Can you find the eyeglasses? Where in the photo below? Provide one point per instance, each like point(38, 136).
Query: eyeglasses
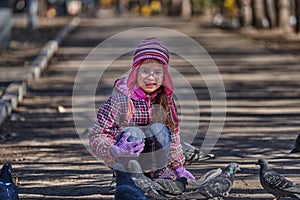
point(146, 73)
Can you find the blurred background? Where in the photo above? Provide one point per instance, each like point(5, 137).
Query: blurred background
point(228, 13)
point(26, 25)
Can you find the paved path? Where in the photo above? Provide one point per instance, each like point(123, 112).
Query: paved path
point(262, 115)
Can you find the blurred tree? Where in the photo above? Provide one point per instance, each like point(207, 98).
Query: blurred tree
point(297, 12)
point(271, 13)
point(32, 14)
point(284, 15)
point(259, 15)
point(166, 7)
point(5, 26)
point(246, 13)
point(186, 9)
point(204, 7)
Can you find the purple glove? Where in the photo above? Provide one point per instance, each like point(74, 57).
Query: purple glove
point(182, 172)
point(123, 148)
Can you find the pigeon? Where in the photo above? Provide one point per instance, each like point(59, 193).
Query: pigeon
point(216, 185)
point(126, 188)
point(150, 188)
point(296, 148)
point(275, 183)
point(158, 187)
point(8, 190)
point(193, 154)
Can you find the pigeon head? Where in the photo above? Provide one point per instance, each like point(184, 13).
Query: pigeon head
point(119, 168)
point(263, 163)
point(134, 167)
point(232, 168)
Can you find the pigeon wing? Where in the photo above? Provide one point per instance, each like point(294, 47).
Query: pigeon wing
point(173, 187)
point(217, 187)
point(276, 181)
point(279, 186)
point(209, 175)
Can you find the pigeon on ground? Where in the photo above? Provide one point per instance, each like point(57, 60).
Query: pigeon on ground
point(275, 183)
point(158, 187)
point(150, 188)
point(193, 154)
point(126, 188)
point(216, 187)
point(8, 190)
point(296, 148)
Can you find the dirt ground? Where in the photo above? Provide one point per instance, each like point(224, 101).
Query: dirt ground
point(25, 45)
point(262, 115)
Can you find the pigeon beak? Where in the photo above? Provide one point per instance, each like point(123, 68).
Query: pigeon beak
point(238, 168)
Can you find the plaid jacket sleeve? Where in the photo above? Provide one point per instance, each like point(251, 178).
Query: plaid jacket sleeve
point(176, 158)
point(105, 129)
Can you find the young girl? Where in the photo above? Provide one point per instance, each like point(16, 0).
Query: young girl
point(139, 120)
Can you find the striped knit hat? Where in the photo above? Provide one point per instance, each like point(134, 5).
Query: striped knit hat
point(151, 48)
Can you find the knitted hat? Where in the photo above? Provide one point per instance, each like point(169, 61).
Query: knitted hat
point(151, 48)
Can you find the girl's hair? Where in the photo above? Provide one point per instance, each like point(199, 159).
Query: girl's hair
point(161, 112)
point(161, 102)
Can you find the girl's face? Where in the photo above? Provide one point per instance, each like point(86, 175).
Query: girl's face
point(150, 75)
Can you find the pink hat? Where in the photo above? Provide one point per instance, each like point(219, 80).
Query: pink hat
point(151, 48)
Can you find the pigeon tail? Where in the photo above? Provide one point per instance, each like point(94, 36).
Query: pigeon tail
point(295, 150)
point(193, 154)
point(297, 196)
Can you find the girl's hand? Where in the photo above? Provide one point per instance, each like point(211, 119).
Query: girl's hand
point(123, 148)
point(182, 172)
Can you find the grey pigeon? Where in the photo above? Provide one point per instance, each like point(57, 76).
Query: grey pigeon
point(193, 154)
point(157, 188)
point(126, 188)
point(216, 187)
point(8, 190)
point(275, 183)
point(150, 188)
point(296, 148)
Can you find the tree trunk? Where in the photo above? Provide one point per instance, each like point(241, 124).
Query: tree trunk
point(246, 13)
point(284, 14)
point(33, 7)
point(186, 9)
point(5, 26)
point(297, 12)
point(258, 13)
point(271, 12)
